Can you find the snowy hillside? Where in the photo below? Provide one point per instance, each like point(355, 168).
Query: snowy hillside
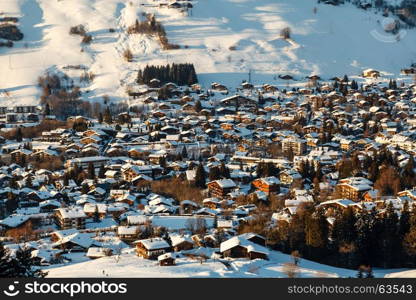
point(128, 263)
point(225, 39)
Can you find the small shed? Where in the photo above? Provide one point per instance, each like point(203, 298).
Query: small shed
point(166, 259)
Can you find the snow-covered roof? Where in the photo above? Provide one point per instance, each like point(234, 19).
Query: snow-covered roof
point(243, 242)
point(71, 212)
point(154, 243)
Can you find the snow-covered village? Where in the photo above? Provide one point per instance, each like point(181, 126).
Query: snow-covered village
point(208, 139)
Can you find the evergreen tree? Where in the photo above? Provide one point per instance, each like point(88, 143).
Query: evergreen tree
point(91, 171)
point(100, 117)
point(316, 233)
point(66, 179)
point(24, 264)
point(101, 172)
point(5, 262)
point(404, 222)
point(96, 216)
point(389, 243)
point(184, 153)
point(224, 171)
point(214, 173)
point(344, 227)
point(19, 135)
point(162, 161)
point(47, 109)
point(369, 273)
point(200, 177)
point(107, 117)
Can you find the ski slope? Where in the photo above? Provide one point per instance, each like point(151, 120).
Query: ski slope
point(330, 41)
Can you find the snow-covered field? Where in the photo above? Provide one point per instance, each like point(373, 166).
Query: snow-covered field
point(129, 265)
point(331, 41)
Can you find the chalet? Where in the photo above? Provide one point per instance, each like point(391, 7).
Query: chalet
point(44, 154)
point(16, 224)
point(240, 247)
point(129, 171)
point(114, 174)
point(220, 188)
point(212, 202)
point(49, 205)
point(219, 87)
point(98, 252)
point(166, 259)
point(267, 185)
point(371, 73)
point(45, 257)
point(290, 177)
point(70, 217)
point(353, 188)
point(188, 206)
point(295, 145)
point(93, 139)
point(180, 243)
point(346, 144)
point(333, 206)
point(83, 162)
point(77, 242)
point(92, 209)
point(21, 154)
point(128, 233)
point(152, 248)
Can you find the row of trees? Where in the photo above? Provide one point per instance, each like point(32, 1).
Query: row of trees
point(384, 169)
point(180, 74)
point(354, 239)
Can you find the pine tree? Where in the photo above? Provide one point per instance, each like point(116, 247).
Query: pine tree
point(224, 171)
point(91, 171)
point(389, 242)
point(5, 262)
point(369, 273)
point(107, 116)
point(96, 216)
point(162, 161)
point(24, 264)
point(66, 179)
point(184, 153)
point(19, 135)
point(404, 222)
point(344, 227)
point(200, 177)
point(100, 117)
point(47, 109)
point(101, 172)
point(214, 173)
